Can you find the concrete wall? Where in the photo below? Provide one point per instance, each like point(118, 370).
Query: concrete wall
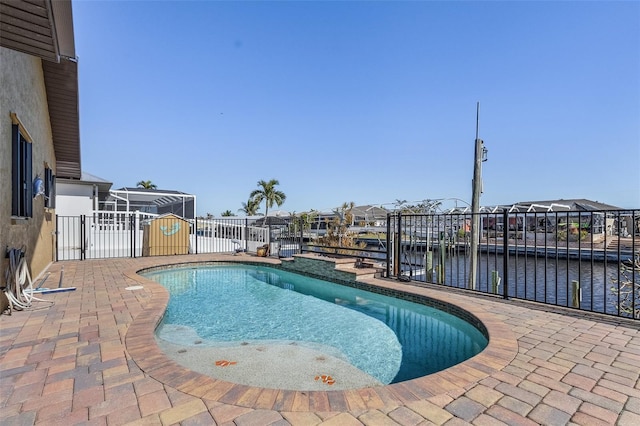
point(23, 93)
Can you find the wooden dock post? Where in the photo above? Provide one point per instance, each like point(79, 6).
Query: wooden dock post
point(576, 296)
point(495, 282)
point(428, 260)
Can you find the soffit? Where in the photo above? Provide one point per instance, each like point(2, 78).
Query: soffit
point(61, 82)
point(41, 28)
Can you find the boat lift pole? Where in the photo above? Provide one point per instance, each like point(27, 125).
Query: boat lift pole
point(479, 158)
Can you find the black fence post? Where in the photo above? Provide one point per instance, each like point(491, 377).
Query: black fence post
point(57, 234)
point(505, 253)
point(195, 232)
point(388, 255)
point(397, 266)
point(635, 262)
point(132, 235)
point(301, 224)
point(82, 232)
point(246, 235)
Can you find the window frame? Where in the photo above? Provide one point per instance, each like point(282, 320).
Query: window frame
point(21, 171)
point(49, 188)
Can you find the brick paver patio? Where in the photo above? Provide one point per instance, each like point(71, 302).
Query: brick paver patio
point(91, 359)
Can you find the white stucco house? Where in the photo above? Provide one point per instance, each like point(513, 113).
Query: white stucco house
point(76, 197)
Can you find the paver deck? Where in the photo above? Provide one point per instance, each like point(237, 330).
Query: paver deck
point(91, 359)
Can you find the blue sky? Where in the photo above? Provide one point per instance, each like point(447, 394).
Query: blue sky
point(368, 102)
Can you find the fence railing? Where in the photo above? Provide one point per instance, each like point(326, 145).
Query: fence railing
point(101, 235)
point(583, 260)
point(116, 234)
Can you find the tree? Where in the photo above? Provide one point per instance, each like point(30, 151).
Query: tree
point(269, 194)
point(627, 289)
point(302, 222)
point(338, 233)
point(251, 207)
point(146, 184)
point(308, 219)
point(227, 213)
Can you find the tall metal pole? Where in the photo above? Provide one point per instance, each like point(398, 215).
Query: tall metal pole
point(475, 203)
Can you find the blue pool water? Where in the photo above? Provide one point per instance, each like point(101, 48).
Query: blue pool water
point(392, 340)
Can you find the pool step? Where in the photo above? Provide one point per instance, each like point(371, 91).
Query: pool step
point(360, 269)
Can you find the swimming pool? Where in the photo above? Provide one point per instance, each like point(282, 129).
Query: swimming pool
point(392, 340)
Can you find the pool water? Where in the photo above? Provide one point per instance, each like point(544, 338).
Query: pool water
point(390, 339)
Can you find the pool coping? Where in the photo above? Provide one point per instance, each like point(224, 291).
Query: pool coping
point(141, 345)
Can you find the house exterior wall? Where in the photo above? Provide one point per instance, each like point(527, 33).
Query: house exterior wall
point(69, 205)
point(23, 93)
point(74, 199)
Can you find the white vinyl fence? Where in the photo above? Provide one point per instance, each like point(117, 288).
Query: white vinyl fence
point(107, 234)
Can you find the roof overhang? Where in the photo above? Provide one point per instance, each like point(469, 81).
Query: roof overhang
point(89, 180)
point(44, 28)
point(61, 81)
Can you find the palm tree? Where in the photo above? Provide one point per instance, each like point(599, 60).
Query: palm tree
point(344, 213)
point(251, 207)
point(308, 219)
point(146, 184)
point(338, 233)
point(227, 213)
point(269, 194)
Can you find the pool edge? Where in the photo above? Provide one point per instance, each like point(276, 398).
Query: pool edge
point(142, 348)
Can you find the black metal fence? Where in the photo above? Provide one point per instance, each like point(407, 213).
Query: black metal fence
point(583, 260)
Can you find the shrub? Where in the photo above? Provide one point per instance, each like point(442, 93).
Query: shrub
point(628, 291)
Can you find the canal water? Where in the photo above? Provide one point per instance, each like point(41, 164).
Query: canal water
point(587, 284)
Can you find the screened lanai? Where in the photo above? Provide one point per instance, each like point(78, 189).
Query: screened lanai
point(155, 201)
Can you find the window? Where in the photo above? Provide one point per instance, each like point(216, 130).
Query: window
point(21, 177)
point(49, 188)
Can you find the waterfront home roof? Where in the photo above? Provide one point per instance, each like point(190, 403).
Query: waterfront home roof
point(88, 179)
point(44, 29)
point(271, 221)
point(370, 212)
point(564, 205)
point(561, 205)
